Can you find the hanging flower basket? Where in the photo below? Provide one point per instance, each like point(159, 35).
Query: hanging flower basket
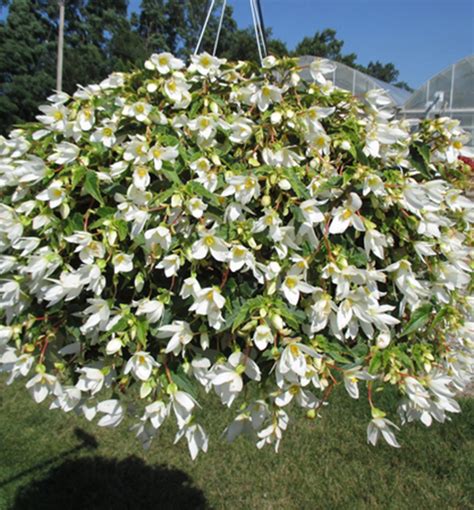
point(224, 225)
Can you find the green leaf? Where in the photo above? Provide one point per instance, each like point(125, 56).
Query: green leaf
point(142, 330)
point(91, 186)
point(418, 319)
point(184, 383)
point(298, 187)
point(250, 306)
point(77, 176)
point(172, 176)
point(196, 188)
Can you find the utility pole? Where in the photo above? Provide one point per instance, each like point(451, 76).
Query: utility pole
point(59, 73)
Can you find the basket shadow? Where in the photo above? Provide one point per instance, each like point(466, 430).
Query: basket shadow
point(99, 483)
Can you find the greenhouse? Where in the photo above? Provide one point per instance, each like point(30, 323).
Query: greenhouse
point(357, 82)
point(449, 93)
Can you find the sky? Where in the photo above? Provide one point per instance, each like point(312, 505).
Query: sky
point(421, 37)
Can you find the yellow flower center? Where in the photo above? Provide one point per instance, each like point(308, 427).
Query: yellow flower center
point(291, 282)
point(294, 350)
point(206, 61)
point(294, 389)
point(58, 116)
point(347, 214)
point(139, 108)
point(157, 153)
point(209, 240)
point(108, 132)
point(57, 192)
point(266, 92)
point(457, 144)
point(172, 86)
point(163, 60)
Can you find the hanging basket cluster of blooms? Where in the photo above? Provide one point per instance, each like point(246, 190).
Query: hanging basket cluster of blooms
point(175, 230)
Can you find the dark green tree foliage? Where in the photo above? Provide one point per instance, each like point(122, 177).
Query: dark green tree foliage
point(325, 44)
point(27, 61)
point(98, 39)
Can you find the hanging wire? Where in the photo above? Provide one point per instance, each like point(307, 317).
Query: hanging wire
point(257, 19)
point(262, 25)
point(261, 31)
point(219, 28)
point(203, 31)
point(257, 34)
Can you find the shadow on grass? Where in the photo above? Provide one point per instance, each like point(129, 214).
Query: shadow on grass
point(98, 483)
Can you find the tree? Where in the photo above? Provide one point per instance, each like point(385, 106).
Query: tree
point(325, 44)
point(27, 62)
point(98, 40)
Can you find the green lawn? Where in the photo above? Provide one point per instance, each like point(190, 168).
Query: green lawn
point(50, 460)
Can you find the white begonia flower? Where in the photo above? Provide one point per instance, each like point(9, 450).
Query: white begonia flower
point(374, 184)
point(170, 264)
point(158, 236)
point(157, 412)
point(176, 88)
point(205, 126)
point(42, 385)
point(200, 165)
point(182, 404)
point(196, 207)
point(190, 287)
point(164, 63)
point(159, 154)
point(54, 194)
point(209, 242)
point(139, 110)
point(67, 399)
point(347, 215)
point(195, 436)
point(209, 301)
point(274, 432)
point(266, 96)
point(227, 379)
point(113, 346)
point(205, 64)
point(137, 150)
point(293, 285)
point(293, 359)
point(262, 337)
point(281, 158)
point(141, 177)
point(122, 263)
point(180, 333)
point(382, 426)
point(99, 316)
point(141, 365)
point(241, 130)
point(383, 339)
point(54, 116)
point(152, 309)
point(85, 119)
point(319, 68)
point(375, 242)
point(311, 212)
point(244, 187)
point(105, 134)
point(113, 413)
point(88, 248)
point(303, 397)
point(64, 154)
point(240, 256)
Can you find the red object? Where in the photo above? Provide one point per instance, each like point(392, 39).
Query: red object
point(468, 161)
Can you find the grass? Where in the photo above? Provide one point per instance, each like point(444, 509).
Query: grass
point(50, 460)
